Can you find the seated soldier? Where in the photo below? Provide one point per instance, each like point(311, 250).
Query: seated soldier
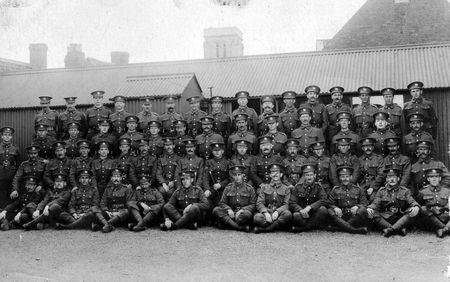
point(343, 157)
point(381, 133)
point(393, 206)
point(242, 157)
point(83, 201)
point(347, 204)
point(322, 163)
point(273, 203)
point(236, 207)
point(435, 206)
point(185, 206)
point(146, 208)
point(307, 203)
point(293, 162)
point(21, 210)
point(54, 203)
point(370, 165)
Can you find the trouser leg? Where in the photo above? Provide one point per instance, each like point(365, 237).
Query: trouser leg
point(223, 217)
point(188, 220)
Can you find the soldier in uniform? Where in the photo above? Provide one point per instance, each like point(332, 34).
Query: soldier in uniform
point(434, 199)
point(125, 162)
point(331, 111)
point(289, 116)
point(308, 202)
point(252, 116)
point(83, 201)
point(60, 164)
point(194, 116)
point(263, 160)
point(132, 133)
point(146, 207)
point(165, 169)
point(144, 164)
point(71, 115)
point(104, 135)
point(47, 117)
point(425, 162)
point(206, 138)
point(34, 167)
point(343, 157)
point(293, 162)
point(102, 166)
point(9, 162)
point(322, 163)
point(268, 104)
point(381, 133)
point(155, 141)
point(180, 127)
point(344, 120)
point(422, 105)
point(242, 132)
point(393, 207)
point(238, 202)
point(190, 162)
point(72, 140)
point(306, 133)
point(319, 117)
point(222, 121)
point(114, 202)
point(279, 137)
point(167, 119)
point(96, 113)
point(272, 204)
point(417, 134)
point(81, 163)
point(54, 203)
point(20, 211)
point(146, 115)
point(395, 119)
point(347, 203)
point(363, 114)
point(243, 158)
point(370, 164)
point(118, 117)
point(44, 142)
point(185, 206)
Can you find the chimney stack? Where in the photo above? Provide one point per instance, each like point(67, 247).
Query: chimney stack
point(222, 42)
point(321, 44)
point(75, 57)
point(119, 58)
point(38, 56)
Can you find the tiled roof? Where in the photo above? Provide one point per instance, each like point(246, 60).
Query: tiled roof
point(264, 74)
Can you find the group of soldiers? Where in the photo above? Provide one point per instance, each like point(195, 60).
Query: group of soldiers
point(321, 166)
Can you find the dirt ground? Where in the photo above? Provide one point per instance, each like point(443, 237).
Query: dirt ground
point(211, 254)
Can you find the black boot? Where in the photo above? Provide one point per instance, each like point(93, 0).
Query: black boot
point(5, 225)
point(110, 224)
point(230, 224)
point(137, 217)
point(142, 225)
point(32, 224)
point(274, 226)
point(77, 224)
point(345, 226)
point(385, 226)
point(400, 226)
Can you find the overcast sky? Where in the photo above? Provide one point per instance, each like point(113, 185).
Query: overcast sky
point(160, 30)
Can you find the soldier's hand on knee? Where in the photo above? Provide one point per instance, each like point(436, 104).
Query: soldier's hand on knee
point(217, 186)
point(35, 214)
point(305, 212)
point(268, 217)
point(76, 216)
point(275, 215)
point(171, 184)
point(75, 188)
point(2, 215)
point(13, 195)
point(168, 223)
point(238, 213)
point(207, 193)
point(110, 214)
point(231, 213)
point(338, 211)
point(45, 211)
point(369, 191)
point(354, 209)
point(165, 186)
point(17, 217)
point(413, 211)
point(186, 209)
point(370, 212)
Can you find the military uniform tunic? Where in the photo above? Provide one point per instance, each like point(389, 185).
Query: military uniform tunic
point(156, 145)
point(293, 166)
point(151, 197)
point(354, 143)
point(192, 163)
point(252, 118)
point(238, 196)
point(83, 199)
point(425, 107)
point(338, 160)
point(262, 163)
point(331, 111)
point(323, 170)
point(135, 137)
point(26, 203)
point(125, 163)
point(396, 120)
point(410, 140)
point(435, 201)
point(9, 162)
point(145, 165)
point(165, 168)
point(28, 168)
point(79, 164)
point(116, 197)
point(118, 122)
point(72, 150)
point(307, 134)
point(392, 202)
point(346, 197)
point(102, 169)
point(204, 141)
point(248, 161)
point(180, 147)
point(93, 116)
point(363, 119)
point(193, 123)
point(144, 119)
point(279, 139)
point(70, 116)
point(303, 195)
point(319, 117)
point(380, 137)
point(289, 120)
point(45, 144)
point(246, 135)
point(221, 124)
point(216, 172)
point(54, 167)
point(167, 119)
point(418, 174)
point(48, 118)
point(369, 167)
point(273, 197)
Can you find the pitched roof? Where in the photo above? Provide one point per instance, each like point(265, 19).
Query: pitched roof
point(264, 74)
point(387, 23)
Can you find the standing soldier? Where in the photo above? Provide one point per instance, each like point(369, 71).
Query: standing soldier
point(59, 165)
point(306, 133)
point(415, 121)
point(319, 117)
point(190, 162)
point(9, 162)
point(118, 117)
point(104, 135)
point(369, 166)
point(155, 141)
point(243, 158)
point(393, 207)
point(168, 118)
point(83, 162)
point(71, 115)
point(193, 116)
point(344, 121)
point(96, 113)
point(422, 105)
point(363, 114)
point(102, 166)
point(242, 100)
point(47, 117)
point(263, 160)
point(32, 167)
point(279, 137)
point(238, 202)
point(206, 138)
point(307, 202)
point(273, 203)
point(165, 169)
point(132, 133)
point(289, 116)
point(44, 142)
point(72, 140)
point(146, 115)
point(242, 133)
point(395, 119)
point(381, 133)
point(267, 103)
point(184, 208)
point(144, 164)
point(125, 162)
point(180, 127)
point(347, 203)
point(343, 157)
point(322, 163)
point(333, 109)
point(222, 121)
point(293, 162)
